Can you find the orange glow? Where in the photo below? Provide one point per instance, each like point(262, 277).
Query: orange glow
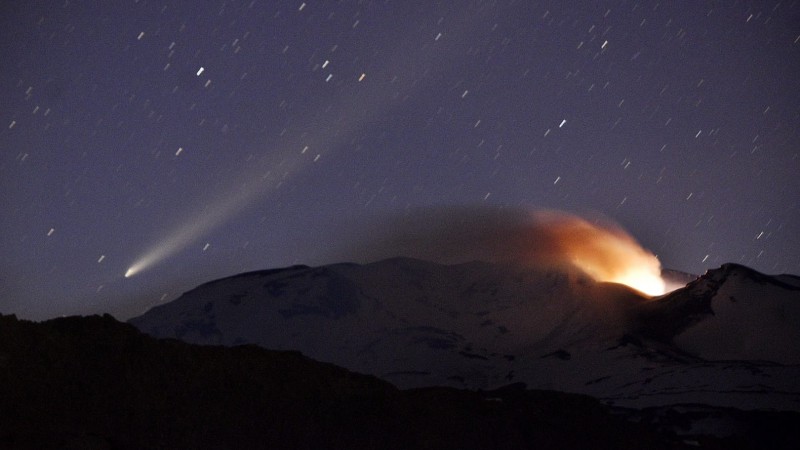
point(604, 253)
point(544, 239)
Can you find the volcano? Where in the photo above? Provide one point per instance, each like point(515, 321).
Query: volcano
point(727, 339)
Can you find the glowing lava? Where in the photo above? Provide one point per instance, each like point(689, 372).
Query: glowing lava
point(604, 253)
point(547, 239)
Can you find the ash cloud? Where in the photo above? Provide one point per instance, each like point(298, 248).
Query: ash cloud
point(542, 238)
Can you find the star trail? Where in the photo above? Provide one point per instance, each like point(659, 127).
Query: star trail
point(149, 146)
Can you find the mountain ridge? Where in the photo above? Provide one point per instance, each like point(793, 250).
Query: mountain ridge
point(481, 325)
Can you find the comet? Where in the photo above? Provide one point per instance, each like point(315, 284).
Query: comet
point(207, 219)
point(329, 126)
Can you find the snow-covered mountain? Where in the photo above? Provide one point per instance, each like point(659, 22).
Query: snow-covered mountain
point(729, 338)
point(752, 316)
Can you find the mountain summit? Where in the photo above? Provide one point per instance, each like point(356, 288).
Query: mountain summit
point(741, 314)
point(482, 326)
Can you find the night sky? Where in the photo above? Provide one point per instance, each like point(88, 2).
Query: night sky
point(214, 137)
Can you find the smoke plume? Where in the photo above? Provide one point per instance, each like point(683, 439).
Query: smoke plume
point(543, 239)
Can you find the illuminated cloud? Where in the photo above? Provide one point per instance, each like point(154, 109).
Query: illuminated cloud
point(603, 252)
point(543, 239)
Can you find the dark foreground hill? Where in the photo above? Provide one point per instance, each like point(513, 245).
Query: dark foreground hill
point(94, 382)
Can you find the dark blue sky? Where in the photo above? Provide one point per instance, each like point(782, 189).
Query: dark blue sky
point(213, 137)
